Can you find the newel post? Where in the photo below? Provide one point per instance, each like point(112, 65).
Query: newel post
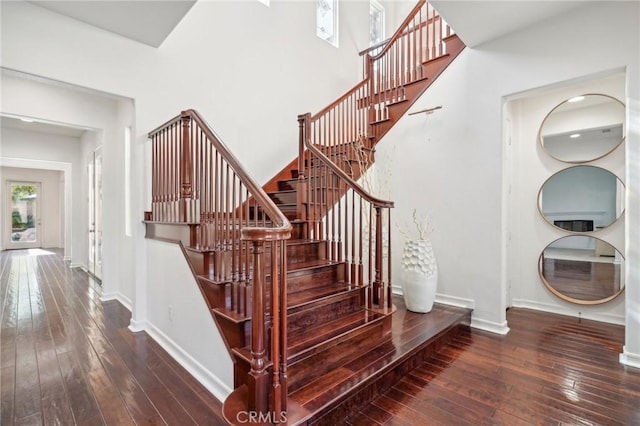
point(258, 379)
point(186, 189)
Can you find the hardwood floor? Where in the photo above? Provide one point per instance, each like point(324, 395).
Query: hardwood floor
point(549, 369)
point(67, 358)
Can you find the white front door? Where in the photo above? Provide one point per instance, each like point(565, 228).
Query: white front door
point(23, 215)
point(94, 170)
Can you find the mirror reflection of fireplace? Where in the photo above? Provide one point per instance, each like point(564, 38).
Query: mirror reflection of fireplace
point(575, 225)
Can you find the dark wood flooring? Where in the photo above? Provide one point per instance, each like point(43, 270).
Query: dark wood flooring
point(550, 369)
point(67, 358)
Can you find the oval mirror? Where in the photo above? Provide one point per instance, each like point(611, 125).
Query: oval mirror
point(581, 199)
point(583, 128)
point(582, 269)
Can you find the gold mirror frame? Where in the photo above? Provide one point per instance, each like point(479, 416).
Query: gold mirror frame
point(563, 296)
point(564, 104)
point(595, 228)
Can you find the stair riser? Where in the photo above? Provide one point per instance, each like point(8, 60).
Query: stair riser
point(302, 280)
point(203, 262)
point(339, 351)
point(283, 197)
point(337, 412)
point(328, 310)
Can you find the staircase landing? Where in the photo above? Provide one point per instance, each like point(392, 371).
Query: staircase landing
point(330, 399)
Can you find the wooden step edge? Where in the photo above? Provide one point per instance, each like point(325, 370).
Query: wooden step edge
point(205, 279)
point(231, 316)
point(345, 292)
point(397, 102)
point(300, 356)
point(302, 268)
point(282, 191)
point(437, 58)
point(384, 120)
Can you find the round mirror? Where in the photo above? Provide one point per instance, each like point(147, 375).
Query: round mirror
point(582, 269)
point(583, 128)
point(581, 199)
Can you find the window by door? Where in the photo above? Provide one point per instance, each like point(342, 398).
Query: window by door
point(94, 170)
point(24, 215)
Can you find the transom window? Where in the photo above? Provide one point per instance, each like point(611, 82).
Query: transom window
point(327, 20)
point(376, 23)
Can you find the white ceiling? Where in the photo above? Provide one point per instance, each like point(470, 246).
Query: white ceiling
point(41, 127)
point(479, 21)
point(146, 21)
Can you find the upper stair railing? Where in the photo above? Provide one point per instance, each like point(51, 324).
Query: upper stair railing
point(394, 63)
point(198, 181)
point(336, 146)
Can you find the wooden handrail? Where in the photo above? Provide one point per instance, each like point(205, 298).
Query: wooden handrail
point(377, 202)
point(282, 230)
point(401, 29)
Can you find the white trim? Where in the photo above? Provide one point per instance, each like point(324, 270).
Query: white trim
point(629, 359)
point(77, 265)
point(575, 311)
point(197, 370)
point(126, 302)
point(460, 302)
point(490, 326)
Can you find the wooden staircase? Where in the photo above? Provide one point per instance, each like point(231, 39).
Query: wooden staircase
point(297, 275)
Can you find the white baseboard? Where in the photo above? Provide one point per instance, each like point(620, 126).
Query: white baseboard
point(77, 265)
point(490, 326)
point(629, 359)
point(576, 312)
point(136, 326)
point(197, 370)
point(126, 302)
point(460, 302)
point(445, 299)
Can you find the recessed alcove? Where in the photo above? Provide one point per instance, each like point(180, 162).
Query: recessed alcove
point(551, 195)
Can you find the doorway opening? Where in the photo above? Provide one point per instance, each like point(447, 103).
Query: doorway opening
point(24, 215)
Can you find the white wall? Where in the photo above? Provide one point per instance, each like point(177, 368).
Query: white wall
point(455, 156)
point(50, 200)
point(184, 326)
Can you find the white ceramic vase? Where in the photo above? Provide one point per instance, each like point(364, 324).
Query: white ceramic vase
point(419, 276)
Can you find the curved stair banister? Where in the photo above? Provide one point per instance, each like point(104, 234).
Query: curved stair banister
point(355, 223)
point(241, 235)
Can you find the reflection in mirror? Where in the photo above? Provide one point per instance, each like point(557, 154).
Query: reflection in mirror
point(583, 128)
point(581, 199)
point(582, 269)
